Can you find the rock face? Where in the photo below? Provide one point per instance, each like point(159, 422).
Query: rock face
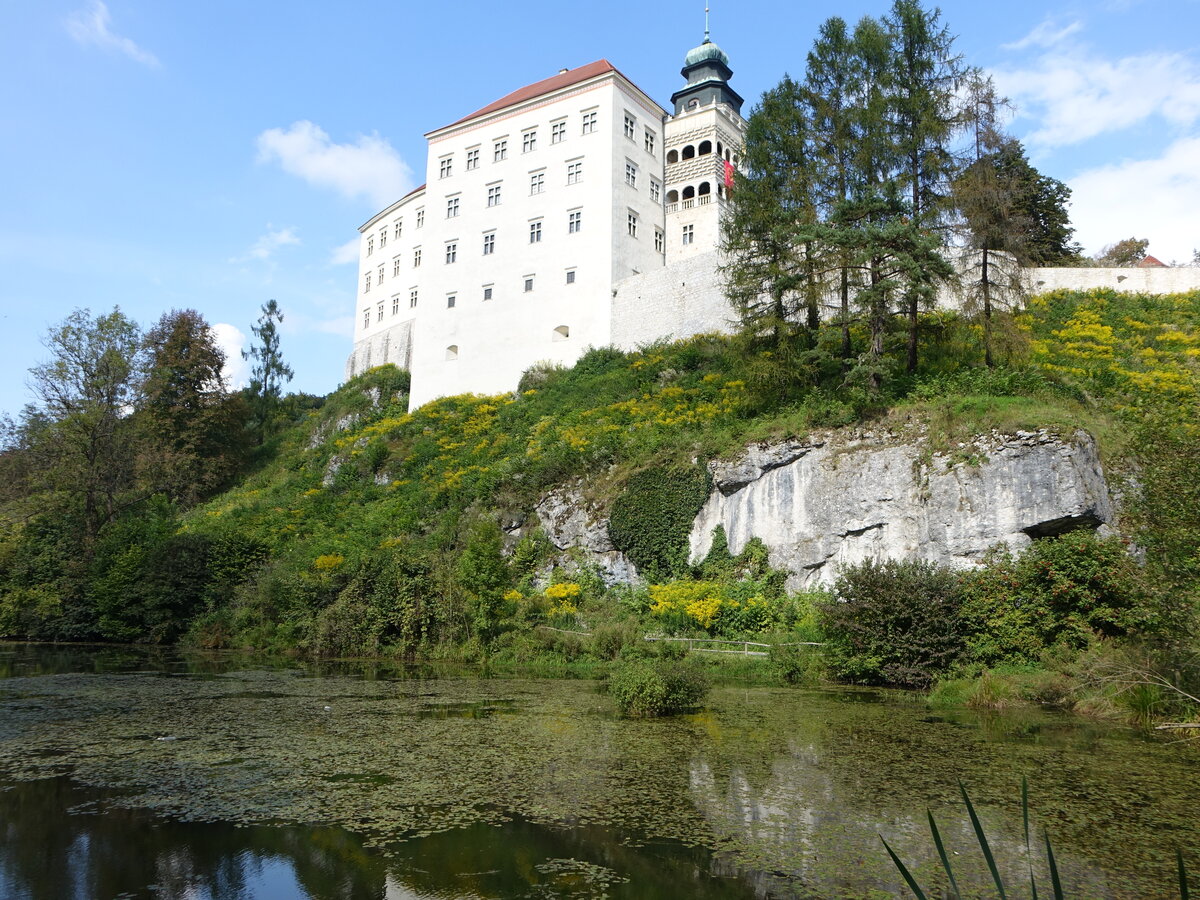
point(842, 499)
point(570, 522)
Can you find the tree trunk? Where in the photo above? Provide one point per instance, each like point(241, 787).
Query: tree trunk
point(987, 313)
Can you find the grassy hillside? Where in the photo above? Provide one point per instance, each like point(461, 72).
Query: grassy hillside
point(369, 529)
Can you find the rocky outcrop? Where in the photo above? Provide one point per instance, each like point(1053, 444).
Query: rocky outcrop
point(571, 522)
point(839, 499)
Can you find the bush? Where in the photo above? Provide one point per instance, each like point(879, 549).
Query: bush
point(656, 687)
point(893, 622)
point(796, 665)
point(1063, 590)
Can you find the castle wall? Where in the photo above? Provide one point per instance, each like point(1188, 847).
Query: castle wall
point(678, 301)
point(1155, 280)
point(390, 345)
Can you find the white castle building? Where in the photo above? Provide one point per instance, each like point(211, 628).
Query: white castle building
point(574, 212)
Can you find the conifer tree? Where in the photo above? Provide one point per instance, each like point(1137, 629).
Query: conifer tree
point(268, 373)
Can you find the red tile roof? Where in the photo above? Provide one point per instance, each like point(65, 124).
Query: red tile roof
point(1151, 262)
point(545, 86)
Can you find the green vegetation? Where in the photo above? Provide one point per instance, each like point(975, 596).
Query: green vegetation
point(656, 687)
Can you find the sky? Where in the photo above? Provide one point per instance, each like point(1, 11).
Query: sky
point(160, 154)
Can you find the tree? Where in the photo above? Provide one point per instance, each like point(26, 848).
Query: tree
point(190, 424)
point(923, 80)
point(829, 94)
point(1123, 254)
point(987, 195)
point(776, 272)
point(86, 392)
point(269, 372)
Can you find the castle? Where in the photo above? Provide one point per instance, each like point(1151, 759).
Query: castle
point(571, 213)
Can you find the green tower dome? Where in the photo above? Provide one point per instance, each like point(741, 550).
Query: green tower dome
point(705, 52)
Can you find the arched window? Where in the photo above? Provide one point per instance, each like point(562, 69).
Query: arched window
point(672, 156)
point(726, 154)
point(694, 103)
point(561, 333)
point(672, 196)
point(705, 148)
point(452, 352)
point(689, 192)
point(689, 151)
point(718, 148)
point(705, 188)
point(720, 190)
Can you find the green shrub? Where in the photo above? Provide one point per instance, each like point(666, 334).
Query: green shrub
point(796, 665)
point(893, 622)
point(652, 517)
point(656, 687)
point(1063, 590)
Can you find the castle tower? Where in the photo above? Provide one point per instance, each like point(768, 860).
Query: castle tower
point(703, 142)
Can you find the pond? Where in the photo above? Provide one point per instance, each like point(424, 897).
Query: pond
point(128, 774)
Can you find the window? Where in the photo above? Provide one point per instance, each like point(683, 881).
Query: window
point(382, 237)
point(452, 352)
point(381, 274)
point(649, 141)
point(672, 156)
point(535, 232)
point(500, 151)
point(395, 266)
point(528, 141)
point(630, 126)
point(412, 298)
point(561, 333)
point(487, 292)
point(473, 159)
point(632, 222)
point(420, 218)
point(689, 151)
point(367, 317)
point(655, 190)
point(589, 122)
point(688, 234)
point(451, 207)
point(574, 172)
point(444, 167)
point(489, 244)
point(399, 228)
point(574, 222)
point(558, 132)
point(660, 242)
point(528, 284)
point(494, 195)
point(630, 174)
point(570, 276)
point(450, 301)
point(451, 252)
point(537, 182)
point(396, 304)
point(379, 312)
point(705, 148)
point(416, 257)
point(370, 245)
point(368, 287)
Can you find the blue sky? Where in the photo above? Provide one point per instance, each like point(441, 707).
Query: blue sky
point(156, 154)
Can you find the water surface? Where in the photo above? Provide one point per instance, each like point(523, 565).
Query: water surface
point(124, 774)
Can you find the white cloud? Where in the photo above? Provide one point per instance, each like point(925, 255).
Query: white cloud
point(231, 340)
point(266, 245)
point(345, 253)
point(1074, 94)
point(369, 167)
point(92, 26)
point(1149, 198)
point(1047, 34)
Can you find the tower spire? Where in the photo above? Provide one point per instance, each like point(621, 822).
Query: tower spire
point(706, 38)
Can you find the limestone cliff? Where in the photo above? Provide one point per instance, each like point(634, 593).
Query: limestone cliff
point(840, 498)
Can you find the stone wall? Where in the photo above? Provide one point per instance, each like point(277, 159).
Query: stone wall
point(675, 302)
point(393, 345)
point(1172, 280)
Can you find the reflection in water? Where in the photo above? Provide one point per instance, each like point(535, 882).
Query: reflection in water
point(201, 772)
point(60, 841)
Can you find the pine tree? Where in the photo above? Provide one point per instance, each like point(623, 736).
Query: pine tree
point(268, 373)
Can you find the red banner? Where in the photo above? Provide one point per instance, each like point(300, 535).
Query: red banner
point(728, 176)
